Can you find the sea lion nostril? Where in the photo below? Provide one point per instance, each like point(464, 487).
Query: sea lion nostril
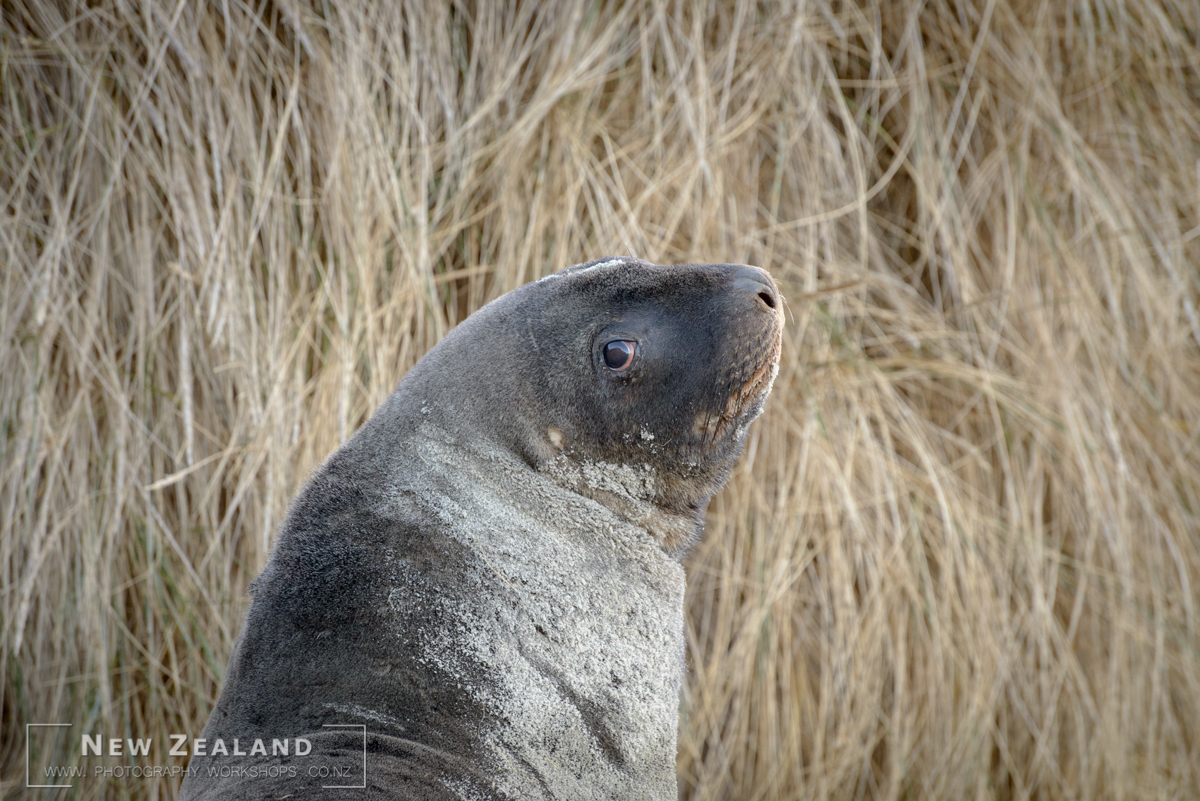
point(752, 279)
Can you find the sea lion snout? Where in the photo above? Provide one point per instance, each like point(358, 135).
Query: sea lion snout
point(759, 283)
point(754, 359)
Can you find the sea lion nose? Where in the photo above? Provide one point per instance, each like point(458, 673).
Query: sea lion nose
point(759, 282)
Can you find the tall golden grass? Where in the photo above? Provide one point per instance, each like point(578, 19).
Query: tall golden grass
point(961, 557)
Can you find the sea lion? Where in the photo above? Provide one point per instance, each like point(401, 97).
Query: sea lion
point(480, 595)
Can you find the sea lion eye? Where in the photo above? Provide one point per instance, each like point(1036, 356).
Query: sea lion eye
point(618, 354)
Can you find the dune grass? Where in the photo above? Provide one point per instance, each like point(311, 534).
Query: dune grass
point(961, 557)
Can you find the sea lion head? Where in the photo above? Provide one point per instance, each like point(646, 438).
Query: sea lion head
point(630, 383)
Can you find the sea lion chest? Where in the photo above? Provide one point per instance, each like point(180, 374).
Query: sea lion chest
point(564, 621)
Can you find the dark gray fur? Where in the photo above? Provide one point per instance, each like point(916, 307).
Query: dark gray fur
point(487, 574)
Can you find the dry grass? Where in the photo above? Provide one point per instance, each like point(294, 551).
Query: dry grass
point(961, 558)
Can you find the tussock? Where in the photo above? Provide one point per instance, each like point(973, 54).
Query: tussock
point(961, 558)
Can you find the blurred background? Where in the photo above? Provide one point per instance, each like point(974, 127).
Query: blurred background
point(961, 556)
